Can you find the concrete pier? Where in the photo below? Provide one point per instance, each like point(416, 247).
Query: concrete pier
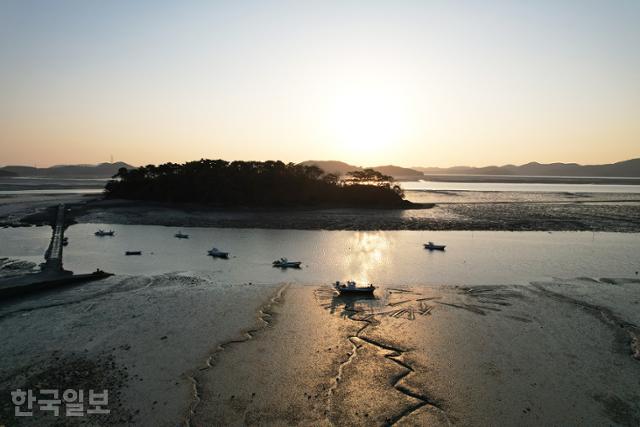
point(51, 273)
point(53, 256)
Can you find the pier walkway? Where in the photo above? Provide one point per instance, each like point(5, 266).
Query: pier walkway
point(53, 256)
point(51, 274)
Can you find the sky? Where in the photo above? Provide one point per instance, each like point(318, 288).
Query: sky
point(412, 83)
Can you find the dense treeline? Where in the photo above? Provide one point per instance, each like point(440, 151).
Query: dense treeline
point(270, 183)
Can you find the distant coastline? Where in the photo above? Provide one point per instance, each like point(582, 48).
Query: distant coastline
point(532, 170)
point(531, 179)
point(626, 169)
point(231, 201)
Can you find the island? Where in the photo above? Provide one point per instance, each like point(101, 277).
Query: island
point(253, 183)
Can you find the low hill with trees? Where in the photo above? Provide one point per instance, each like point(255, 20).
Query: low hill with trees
point(268, 184)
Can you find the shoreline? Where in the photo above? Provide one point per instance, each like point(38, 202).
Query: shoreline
point(447, 211)
point(525, 179)
point(514, 216)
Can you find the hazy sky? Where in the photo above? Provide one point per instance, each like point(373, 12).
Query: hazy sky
point(414, 83)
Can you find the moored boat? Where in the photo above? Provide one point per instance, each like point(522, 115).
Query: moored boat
point(214, 252)
point(102, 233)
point(433, 247)
point(285, 263)
point(351, 287)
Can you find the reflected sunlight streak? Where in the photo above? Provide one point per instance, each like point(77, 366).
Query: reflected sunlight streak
point(367, 250)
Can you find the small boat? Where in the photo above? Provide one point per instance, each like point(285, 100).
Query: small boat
point(102, 233)
point(65, 241)
point(433, 247)
point(285, 263)
point(350, 287)
point(181, 235)
point(100, 274)
point(214, 252)
point(133, 253)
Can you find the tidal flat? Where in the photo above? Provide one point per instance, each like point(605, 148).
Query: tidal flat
point(514, 328)
point(177, 349)
point(538, 207)
point(455, 210)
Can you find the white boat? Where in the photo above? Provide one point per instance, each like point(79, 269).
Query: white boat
point(181, 235)
point(214, 252)
point(433, 247)
point(351, 287)
point(285, 263)
point(102, 233)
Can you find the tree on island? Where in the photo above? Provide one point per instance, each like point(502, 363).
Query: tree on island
point(240, 183)
point(371, 176)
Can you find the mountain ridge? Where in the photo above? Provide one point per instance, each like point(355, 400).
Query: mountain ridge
point(100, 170)
point(623, 169)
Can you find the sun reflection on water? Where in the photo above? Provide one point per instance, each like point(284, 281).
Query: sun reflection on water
point(367, 251)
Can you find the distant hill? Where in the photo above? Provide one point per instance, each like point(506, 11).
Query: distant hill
point(397, 171)
point(341, 168)
point(5, 174)
point(102, 170)
point(627, 169)
point(332, 166)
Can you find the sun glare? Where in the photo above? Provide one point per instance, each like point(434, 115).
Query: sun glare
point(368, 124)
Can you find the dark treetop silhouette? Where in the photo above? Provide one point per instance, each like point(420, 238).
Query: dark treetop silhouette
point(268, 184)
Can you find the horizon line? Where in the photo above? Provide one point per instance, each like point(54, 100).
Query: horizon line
point(316, 160)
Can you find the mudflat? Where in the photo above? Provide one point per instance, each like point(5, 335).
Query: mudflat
point(182, 349)
point(431, 210)
point(463, 211)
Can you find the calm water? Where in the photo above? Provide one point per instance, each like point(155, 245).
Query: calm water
point(54, 191)
point(24, 185)
point(25, 243)
point(519, 187)
point(42, 185)
point(389, 257)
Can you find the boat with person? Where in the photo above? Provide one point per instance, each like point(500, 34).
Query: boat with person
point(102, 233)
point(181, 235)
point(433, 247)
point(285, 263)
point(351, 287)
point(216, 253)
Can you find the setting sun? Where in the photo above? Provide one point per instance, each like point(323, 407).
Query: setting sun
point(368, 123)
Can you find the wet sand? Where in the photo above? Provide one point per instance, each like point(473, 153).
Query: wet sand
point(517, 213)
point(140, 337)
point(179, 349)
point(434, 210)
point(15, 208)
